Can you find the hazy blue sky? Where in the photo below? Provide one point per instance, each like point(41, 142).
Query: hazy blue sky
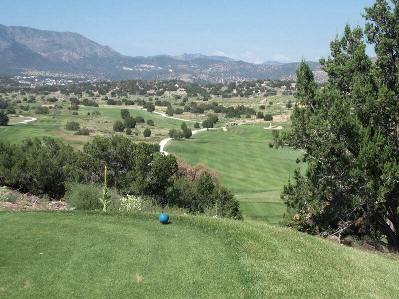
point(255, 31)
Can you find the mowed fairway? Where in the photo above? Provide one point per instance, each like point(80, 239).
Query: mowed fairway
point(50, 126)
point(44, 126)
point(247, 165)
point(70, 255)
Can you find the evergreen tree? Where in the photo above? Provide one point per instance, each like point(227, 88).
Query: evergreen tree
point(125, 113)
point(349, 131)
point(147, 132)
point(3, 118)
point(187, 133)
point(129, 122)
point(118, 126)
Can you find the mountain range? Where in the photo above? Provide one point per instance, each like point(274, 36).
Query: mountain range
point(25, 50)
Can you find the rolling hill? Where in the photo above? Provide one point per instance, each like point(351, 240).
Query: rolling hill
point(28, 50)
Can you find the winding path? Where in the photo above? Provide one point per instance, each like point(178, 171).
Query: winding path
point(163, 142)
point(26, 121)
point(171, 117)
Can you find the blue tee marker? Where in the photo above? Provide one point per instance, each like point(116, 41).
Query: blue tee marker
point(164, 218)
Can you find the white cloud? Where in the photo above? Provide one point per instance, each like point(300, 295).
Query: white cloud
point(218, 53)
point(253, 57)
point(250, 57)
point(281, 57)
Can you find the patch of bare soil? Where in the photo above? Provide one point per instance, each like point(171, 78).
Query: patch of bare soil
point(281, 118)
point(11, 200)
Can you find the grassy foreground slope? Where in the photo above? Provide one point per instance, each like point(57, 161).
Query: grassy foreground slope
point(247, 165)
point(48, 255)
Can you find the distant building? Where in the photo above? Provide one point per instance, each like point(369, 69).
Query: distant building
point(179, 92)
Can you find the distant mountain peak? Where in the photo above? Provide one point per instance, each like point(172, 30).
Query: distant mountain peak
point(25, 49)
point(58, 46)
point(272, 62)
point(194, 56)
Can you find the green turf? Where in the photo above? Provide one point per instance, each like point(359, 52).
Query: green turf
point(44, 126)
point(246, 165)
point(270, 212)
point(69, 255)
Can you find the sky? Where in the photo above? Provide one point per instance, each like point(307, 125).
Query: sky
point(249, 30)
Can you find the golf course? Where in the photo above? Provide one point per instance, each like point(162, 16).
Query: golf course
point(199, 149)
point(90, 255)
point(246, 164)
point(54, 126)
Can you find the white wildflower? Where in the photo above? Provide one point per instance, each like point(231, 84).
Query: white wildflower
point(131, 203)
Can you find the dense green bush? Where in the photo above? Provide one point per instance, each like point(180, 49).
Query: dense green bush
point(83, 131)
point(268, 117)
point(3, 118)
point(42, 110)
point(11, 110)
point(83, 196)
point(118, 126)
point(39, 166)
point(236, 112)
point(169, 111)
point(150, 107)
point(128, 163)
point(175, 134)
point(150, 122)
point(178, 111)
point(74, 107)
point(125, 113)
point(213, 118)
point(72, 126)
point(129, 122)
point(204, 195)
point(113, 102)
point(7, 195)
point(3, 104)
point(186, 131)
point(87, 196)
point(74, 101)
point(47, 166)
point(147, 132)
point(207, 123)
point(91, 103)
